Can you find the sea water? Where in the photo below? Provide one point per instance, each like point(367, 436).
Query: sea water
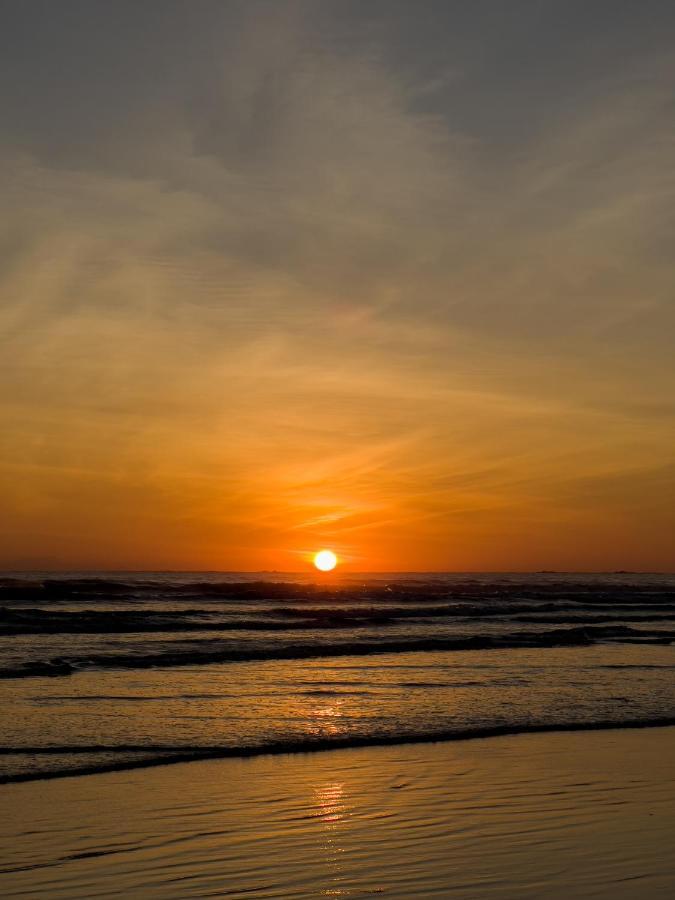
point(117, 670)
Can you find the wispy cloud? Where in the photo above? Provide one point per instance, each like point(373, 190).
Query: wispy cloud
point(319, 300)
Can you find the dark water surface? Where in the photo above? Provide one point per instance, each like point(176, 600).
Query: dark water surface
point(116, 670)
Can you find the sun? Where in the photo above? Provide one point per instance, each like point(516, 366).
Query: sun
point(325, 560)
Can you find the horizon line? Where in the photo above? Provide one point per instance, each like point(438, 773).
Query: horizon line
point(332, 573)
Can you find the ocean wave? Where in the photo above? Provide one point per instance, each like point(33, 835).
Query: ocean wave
point(38, 621)
point(579, 588)
point(110, 758)
point(235, 652)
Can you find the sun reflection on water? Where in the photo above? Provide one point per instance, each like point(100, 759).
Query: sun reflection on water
point(331, 813)
point(330, 803)
point(322, 719)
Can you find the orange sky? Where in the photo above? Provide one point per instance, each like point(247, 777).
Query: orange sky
point(360, 309)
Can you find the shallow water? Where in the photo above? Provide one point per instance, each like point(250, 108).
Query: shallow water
point(110, 671)
point(547, 816)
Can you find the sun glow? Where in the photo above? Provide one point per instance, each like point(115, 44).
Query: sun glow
point(325, 560)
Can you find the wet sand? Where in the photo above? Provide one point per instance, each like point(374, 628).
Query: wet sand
point(525, 816)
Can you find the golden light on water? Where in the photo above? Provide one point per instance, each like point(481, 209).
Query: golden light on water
point(325, 560)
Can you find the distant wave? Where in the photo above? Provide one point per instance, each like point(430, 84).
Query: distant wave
point(199, 620)
point(600, 588)
point(559, 637)
point(39, 620)
point(136, 756)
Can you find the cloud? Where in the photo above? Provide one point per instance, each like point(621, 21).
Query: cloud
point(312, 298)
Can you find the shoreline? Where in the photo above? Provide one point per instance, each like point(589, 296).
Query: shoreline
point(548, 815)
point(289, 748)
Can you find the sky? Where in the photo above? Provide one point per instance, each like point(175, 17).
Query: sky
point(394, 278)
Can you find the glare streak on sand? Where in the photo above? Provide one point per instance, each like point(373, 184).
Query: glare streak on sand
point(537, 817)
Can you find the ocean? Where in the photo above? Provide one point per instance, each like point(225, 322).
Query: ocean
point(103, 671)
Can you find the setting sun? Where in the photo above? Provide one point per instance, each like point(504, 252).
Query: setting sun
point(325, 560)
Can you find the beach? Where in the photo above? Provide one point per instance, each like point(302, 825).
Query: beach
point(442, 735)
point(337, 484)
point(556, 815)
